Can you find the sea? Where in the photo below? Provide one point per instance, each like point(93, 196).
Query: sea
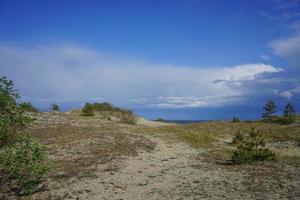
point(186, 121)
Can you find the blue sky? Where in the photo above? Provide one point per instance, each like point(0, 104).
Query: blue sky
point(183, 59)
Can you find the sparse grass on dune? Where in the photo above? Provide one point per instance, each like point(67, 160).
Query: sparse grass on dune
point(78, 150)
point(207, 132)
point(84, 149)
point(211, 137)
point(208, 136)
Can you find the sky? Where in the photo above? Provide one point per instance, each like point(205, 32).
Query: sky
point(172, 59)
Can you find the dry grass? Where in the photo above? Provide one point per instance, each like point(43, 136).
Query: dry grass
point(214, 137)
point(93, 141)
point(79, 150)
point(199, 134)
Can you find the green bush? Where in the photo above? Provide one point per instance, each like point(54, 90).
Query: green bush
point(160, 120)
point(235, 120)
point(251, 147)
point(128, 117)
point(238, 137)
point(27, 106)
point(24, 163)
point(12, 118)
point(125, 116)
point(55, 107)
point(88, 110)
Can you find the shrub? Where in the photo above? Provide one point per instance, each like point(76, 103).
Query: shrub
point(27, 106)
point(251, 147)
point(128, 117)
point(55, 107)
point(88, 110)
point(238, 137)
point(22, 162)
point(12, 118)
point(235, 120)
point(160, 120)
point(104, 107)
point(125, 116)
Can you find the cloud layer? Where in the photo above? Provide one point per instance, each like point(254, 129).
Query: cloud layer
point(73, 73)
point(288, 48)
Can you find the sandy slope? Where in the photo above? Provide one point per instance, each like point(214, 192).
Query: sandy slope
point(145, 122)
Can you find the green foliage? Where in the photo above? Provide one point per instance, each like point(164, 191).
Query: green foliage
point(251, 147)
point(235, 120)
point(289, 113)
point(288, 117)
point(125, 116)
point(27, 106)
point(12, 118)
point(88, 110)
point(24, 162)
point(160, 120)
point(104, 107)
point(128, 117)
point(269, 110)
point(238, 137)
point(55, 107)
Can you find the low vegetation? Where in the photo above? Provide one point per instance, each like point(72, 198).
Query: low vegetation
point(109, 111)
point(55, 107)
point(88, 110)
point(235, 120)
point(23, 162)
point(160, 120)
point(251, 147)
point(28, 107)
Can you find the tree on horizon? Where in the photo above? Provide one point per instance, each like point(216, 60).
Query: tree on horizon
point(289, 112)
point(270, 109)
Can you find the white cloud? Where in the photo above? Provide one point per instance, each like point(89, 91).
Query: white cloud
point(290, 93)
point(289, 49)
point(265, 57)
point(72, 73)
point(194, 102)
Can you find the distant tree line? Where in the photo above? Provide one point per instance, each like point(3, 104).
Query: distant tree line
point(270, 109)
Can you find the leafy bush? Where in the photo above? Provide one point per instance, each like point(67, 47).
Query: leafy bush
point(12, 118)
point(27, 106)
point(235, 120)
point(88, 110)
point(251, 147)
point(22, 161)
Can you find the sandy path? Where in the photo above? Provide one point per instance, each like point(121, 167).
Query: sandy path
point(154, 175)
point(172, 171)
